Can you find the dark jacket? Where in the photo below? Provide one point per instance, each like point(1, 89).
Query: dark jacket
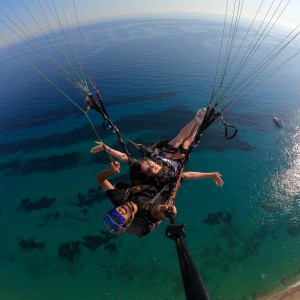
point(145, 197)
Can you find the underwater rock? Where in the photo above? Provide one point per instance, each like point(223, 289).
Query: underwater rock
point(111, 246)
point(218, 218)
point(52, 216)
point(128, 124)
point(49, 164)
point(61, 140)
point(52, 163)
point(93, 196)
point(13, 165)
point(31, 244)
point(28, 205)
point(93, 242)
point(227, 218)
point(85, 211)
point(69, 250)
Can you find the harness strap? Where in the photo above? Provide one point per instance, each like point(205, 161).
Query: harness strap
point(99, 107)
point(227, 125)
point(151, 202)
point(171, 200)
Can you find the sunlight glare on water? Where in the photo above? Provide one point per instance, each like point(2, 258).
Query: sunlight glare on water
point(279, 196)
point(286, 183)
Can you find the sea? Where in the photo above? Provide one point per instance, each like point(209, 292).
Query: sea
point(153, 75)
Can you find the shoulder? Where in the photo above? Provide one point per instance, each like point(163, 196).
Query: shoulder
point(116, 196)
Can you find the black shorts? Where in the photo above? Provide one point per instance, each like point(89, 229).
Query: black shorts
point(165, 144)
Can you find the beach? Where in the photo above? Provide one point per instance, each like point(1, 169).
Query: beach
point(292, 293)
point(280, 292)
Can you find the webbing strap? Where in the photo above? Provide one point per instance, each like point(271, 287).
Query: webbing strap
point(99, 107)
point(171, 200)
point(227, 125)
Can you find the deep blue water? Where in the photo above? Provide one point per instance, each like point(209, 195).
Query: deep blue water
point(153, 75)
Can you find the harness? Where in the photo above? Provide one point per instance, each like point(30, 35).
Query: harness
point(171, 178)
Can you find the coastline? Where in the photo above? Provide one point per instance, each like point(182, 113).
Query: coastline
point(282, 292)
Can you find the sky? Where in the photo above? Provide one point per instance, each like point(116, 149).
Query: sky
point(113, 8)
point(103, 10)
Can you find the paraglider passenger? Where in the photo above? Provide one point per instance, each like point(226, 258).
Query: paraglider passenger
point(161, 167)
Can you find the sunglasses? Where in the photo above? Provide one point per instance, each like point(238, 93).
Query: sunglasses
point(112, 226)
point(120, 219)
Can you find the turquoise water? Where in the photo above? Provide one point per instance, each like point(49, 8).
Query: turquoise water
point(153, 77)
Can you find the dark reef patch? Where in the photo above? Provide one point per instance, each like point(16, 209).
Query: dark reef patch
point(232, 245)
point(14, 165)
point(93, 242)
point(52, 163)
point(69, 250)
point(28, 205)
point(31, 244)
point(93, 196)
point(180, 113)
point(22, 122)
point(52, 216)
point(214, 139)
point(112, 247)
point(218, 218)
point(77, 135)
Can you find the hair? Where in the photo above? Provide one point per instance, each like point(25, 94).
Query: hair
point(137, 175)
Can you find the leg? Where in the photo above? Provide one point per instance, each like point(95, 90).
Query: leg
point(187, 133)
point(186, 143)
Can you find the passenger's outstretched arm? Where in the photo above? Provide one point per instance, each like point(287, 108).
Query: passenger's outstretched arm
point(117, 154)
point(215, 176)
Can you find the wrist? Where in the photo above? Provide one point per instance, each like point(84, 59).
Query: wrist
point(112, 172)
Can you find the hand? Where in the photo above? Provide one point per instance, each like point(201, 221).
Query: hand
point(216, 177)
point(115, 167)
point(165, 208)
point(158, 211)
point(100, 147)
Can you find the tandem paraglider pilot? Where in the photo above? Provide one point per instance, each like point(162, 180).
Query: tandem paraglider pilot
point(137, 209)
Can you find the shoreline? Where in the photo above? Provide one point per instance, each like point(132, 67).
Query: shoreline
point(282, 291)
